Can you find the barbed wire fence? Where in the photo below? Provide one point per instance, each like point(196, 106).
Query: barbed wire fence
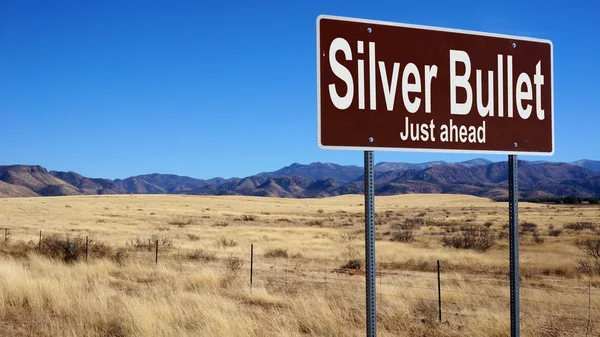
point(442, 296)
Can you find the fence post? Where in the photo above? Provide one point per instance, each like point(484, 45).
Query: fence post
point(439, 292)
point(5, 234)
point(251, 263)
point(86, 248)
point(156, 251)
point(40, 242)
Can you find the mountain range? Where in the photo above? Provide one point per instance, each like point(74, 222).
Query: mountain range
point(477, 177)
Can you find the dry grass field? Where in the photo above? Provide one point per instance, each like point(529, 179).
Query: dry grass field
point(305, 276)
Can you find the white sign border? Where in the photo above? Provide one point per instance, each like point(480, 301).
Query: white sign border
point(431, 28)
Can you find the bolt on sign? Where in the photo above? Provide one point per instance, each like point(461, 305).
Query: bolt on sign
point(398, 87)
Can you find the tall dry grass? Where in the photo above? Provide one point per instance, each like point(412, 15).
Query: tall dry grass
point(201, 288)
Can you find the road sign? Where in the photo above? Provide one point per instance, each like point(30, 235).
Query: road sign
point(398, 87)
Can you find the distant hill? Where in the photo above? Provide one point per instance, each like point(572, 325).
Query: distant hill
point(385, 166)
point(9, 190)
point(491, 180)
point(477, 177)
point(244, 186)
point(36, 179)
point(319, 171)
point(347, 173)
point(89, 185)
point(159, 183)
point(593, 165)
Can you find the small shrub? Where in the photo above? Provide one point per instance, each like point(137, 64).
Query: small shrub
point(555, 232)
point(149, 244)
point(422, 214)
point(97, 249)
point(476, 238)
point(536, 237)
point(163, 240)
point(352, 264)
point(503, 236)
point(411, 224)
point(276, 253)
point(72, 249)
point(179, 223)
point(404, 236)
point(588, 267)
point(317, 223)
point(590, 247)
point(349, 249)
point(201, 255)
point(284, 220)
point(581, 225)
point(320, 211)
point(297, 256)
point(246, 217)
point(193, 237)
point(140, 244)
point(233, 264)
point(221, 224)
point(488, 224)
point(451, 229)
point(224, 242)
point(18, 249)
point(528, 227)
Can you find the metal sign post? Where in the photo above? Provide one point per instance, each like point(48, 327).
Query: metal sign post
point(370, 244)
point(513, 220)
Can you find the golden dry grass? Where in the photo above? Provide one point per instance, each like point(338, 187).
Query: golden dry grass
point(304, 294)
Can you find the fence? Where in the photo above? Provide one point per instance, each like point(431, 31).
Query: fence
point(568, 305)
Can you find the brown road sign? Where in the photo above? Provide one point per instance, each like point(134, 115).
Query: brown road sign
point(398, 87)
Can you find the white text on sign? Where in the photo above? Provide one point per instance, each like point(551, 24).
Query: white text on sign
point(419, 83)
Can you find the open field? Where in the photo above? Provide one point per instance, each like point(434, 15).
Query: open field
point(200, 286)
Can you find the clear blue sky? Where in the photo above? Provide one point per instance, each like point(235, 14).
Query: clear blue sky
point(221, 88)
